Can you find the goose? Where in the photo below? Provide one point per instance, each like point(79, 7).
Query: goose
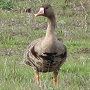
point(46, 54)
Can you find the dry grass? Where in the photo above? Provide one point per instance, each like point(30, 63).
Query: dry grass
point(18, 29)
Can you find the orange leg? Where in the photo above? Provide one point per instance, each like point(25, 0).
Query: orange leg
point(55, 80)
point(37, 78)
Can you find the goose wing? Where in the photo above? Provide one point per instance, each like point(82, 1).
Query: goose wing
point(29, 55)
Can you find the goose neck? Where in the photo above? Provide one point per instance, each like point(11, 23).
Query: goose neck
point(51, 26)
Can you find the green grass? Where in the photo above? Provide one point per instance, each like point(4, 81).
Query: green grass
point(17, 30)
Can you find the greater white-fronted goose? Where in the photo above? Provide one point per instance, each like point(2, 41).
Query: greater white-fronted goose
point(46, 54)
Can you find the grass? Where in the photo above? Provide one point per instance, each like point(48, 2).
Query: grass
point(17, 30)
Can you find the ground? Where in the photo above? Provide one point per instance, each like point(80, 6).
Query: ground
point(18, 29)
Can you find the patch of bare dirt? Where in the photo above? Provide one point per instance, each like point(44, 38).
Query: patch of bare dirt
point(37, 26)
point(10, 52)
point(21, 10)
point(14, 33)
point(84, 50)
point(17, 33)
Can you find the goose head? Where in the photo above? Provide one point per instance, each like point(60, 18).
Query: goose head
point(45, 10)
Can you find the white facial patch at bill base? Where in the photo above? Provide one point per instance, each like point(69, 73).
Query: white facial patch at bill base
point(41, 12)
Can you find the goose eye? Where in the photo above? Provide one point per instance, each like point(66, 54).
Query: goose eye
point(46, 8)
